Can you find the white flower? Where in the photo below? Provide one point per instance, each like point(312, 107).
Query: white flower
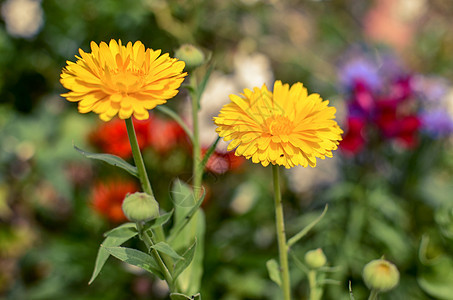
point(23, 18)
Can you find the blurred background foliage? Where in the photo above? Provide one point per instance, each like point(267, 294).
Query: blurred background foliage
point(384, 198)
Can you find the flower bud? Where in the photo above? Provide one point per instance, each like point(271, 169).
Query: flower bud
point(380, 275)
point(140, 207)
point(191, 55)
point(315, 259)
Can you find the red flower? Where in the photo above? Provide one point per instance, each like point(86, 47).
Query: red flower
point(108, 198)
point(160, 134)
point(353, 141)
point(220, 163)
point(111, 137)
point(401, 127)
point(164, 134)
point(408, 131)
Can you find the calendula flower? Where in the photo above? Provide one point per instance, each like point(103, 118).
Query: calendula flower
point(285, 127)
point(125, 80)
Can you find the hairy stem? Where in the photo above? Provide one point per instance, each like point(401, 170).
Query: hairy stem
point(281, 235)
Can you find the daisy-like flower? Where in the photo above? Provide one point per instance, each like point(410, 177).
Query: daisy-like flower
point(285, 127)
point(125, 80)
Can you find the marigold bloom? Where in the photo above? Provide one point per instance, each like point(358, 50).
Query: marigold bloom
point(285, 127)
point(125, 80)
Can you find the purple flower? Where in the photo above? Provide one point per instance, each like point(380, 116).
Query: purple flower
point(430, 88)
point(437, 123)
point(359, 71)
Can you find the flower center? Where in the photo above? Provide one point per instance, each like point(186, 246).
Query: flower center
point(126, 81)
point(279, 125)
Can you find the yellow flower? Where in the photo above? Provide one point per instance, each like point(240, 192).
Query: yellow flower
point(285, 127)
point(124, 80)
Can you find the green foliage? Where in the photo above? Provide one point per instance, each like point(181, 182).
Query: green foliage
point(274, 271)
point(136, 258)
point(306, 229)
point(111, 160)
point(182, 263)
point(178, 296)
point(50, 232)
point(166, 249)
point(114, 237)
point(189, 225)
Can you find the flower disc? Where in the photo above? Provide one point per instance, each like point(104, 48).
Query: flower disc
point(285, 127)
point(125, 80)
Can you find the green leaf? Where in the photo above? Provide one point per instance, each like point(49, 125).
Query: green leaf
point(306, 229)
point(167, 249)
point(111, 160)
point(183, 263)
point(136, 258)
point(159, 221)
point(182, 196)
point(178, 296)
point(204, 81)
point(274, 271)
point(209, 152)
point(120, 236)
point(436, 279)
point(188, 224)
point(122, 230)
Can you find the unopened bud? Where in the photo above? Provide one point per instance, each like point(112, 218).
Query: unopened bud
point(191, 55)
point(140, 207)
point(380, 275)
point(315, 259)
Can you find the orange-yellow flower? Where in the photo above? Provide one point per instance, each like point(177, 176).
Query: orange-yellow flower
point(125, 80)
point(285, 127)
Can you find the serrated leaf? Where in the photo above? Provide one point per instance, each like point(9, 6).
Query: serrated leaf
point(111, 160)
point(122, 230)
point(103, 254)
point(306, 229)
point(136, 258)
point(182, 264)
point(274, 272)
point(167, 249)
point(159, 221)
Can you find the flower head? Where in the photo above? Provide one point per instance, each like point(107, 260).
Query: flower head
point(285, 127)
point(125, 80)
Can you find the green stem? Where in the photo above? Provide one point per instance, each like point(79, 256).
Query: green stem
point(143, 176)
point(313, 285)
point(280, 224)
point(373, 295)
point(144, 236)
point(197, 165)
point(138, 159)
